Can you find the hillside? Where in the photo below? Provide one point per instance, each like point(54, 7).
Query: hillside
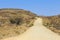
point(52, 22)
point(36, 32)
point(14, 22)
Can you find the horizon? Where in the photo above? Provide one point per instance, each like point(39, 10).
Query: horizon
point(39, 7)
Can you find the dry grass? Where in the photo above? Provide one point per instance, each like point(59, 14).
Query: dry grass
point(15, 21)
point(52, 22)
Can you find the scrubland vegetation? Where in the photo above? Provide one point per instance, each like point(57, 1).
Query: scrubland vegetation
point(52, 22)
point(15, 21)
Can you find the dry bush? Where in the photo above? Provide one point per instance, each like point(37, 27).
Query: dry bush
point(15, 21)
point(52, 22)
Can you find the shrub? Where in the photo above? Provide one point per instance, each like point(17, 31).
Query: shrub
point(16, 21)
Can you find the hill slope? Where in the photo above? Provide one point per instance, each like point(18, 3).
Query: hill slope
point(52, 22)
point(37, 32)
point(14, 22)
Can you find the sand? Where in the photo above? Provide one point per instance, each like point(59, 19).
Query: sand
point(36, 32)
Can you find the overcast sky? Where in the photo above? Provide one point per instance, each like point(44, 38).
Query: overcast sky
point(40, 7)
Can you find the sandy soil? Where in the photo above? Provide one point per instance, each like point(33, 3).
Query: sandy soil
point(36, 32)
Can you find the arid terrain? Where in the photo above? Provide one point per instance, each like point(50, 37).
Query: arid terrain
point(36, 32)
point(16, 22)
